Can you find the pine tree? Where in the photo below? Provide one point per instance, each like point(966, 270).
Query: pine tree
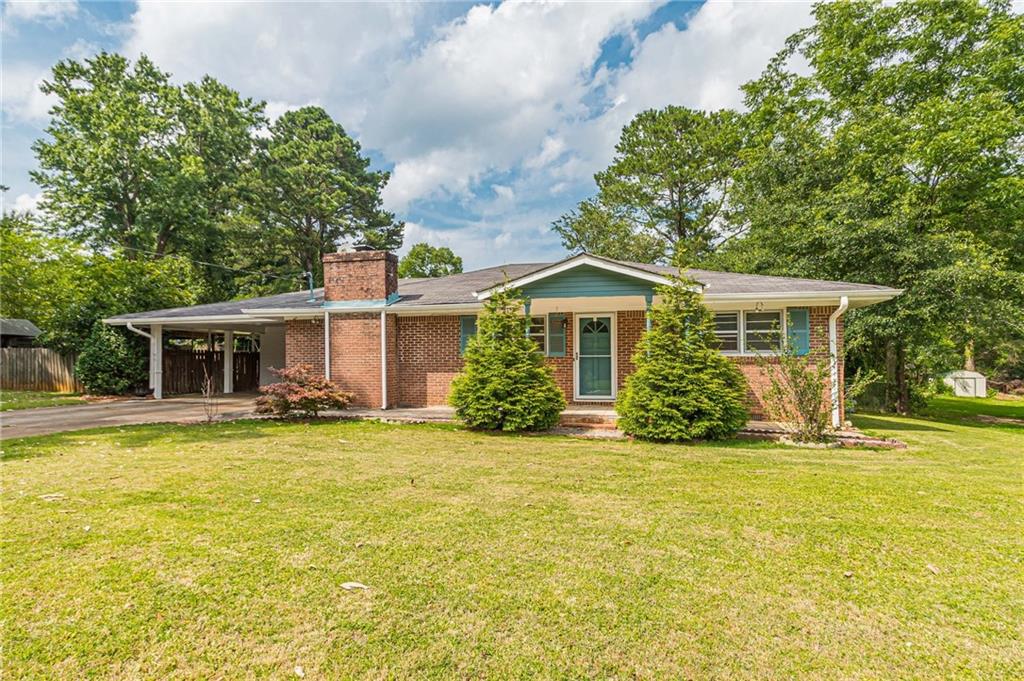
point(505, 384)
point(683, 387)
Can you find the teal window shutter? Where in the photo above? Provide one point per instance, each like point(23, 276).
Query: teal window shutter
point(467, 329)
point(556, 334)
point(799, 328)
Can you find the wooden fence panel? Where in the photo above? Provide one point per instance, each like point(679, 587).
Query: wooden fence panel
point(38, 369)
point(183, 370)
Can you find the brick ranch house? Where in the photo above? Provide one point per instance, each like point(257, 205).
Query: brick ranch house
point(398, 342)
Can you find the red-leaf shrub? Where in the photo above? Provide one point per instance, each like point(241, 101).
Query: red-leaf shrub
point(300, 390)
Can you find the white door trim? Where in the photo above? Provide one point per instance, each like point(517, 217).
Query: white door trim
point(576, 317)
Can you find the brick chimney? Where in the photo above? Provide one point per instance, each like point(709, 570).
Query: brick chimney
point(360, 275)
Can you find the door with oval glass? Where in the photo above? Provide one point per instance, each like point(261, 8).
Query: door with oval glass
point(595, 357)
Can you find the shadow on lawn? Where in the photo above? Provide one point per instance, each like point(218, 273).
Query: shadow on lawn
point(894, 423)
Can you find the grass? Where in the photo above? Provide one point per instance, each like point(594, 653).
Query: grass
point(30, 399)
point(206, 551)
point(949, 407)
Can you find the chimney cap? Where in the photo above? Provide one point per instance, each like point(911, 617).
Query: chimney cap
point(347, 246)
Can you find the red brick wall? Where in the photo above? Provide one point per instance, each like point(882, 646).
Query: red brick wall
point(758, 382)
point(304, 343)
point(424, 355)
point(428, 359)
point(363, 275)
point(355, 357)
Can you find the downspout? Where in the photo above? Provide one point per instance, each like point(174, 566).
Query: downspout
point(327, 345)
point(383, 359)
point(833, 357)
point(138, 331)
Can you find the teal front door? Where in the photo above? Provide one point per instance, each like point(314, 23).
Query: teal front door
point(594, 357)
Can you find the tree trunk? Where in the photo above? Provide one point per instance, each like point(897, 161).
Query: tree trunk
point(969, 355)
point(891, 389)
point(902, 384)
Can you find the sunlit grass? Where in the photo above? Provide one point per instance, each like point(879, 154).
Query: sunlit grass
point(30, 399)
point(220, 551)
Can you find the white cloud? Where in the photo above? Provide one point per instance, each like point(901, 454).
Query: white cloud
point(27, 203)
point(39, 10)
point(488, 90)
point(284, 52)
point(22, 99)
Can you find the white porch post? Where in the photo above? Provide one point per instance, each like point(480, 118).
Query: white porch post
point(156, 360)
point(229, 361)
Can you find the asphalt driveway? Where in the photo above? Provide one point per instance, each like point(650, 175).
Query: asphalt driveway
point(185, 409)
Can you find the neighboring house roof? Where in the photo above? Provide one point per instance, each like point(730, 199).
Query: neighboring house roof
point(470, 288)
point(18, 327)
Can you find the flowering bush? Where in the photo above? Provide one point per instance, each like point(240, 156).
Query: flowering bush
point(300, 391)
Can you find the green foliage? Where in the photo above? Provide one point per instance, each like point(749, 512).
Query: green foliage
point(35, 270)
point(594, 228)
point(668, 188)
point(111, 363)
point(313, 188)
point(424, 260)
point(505, 384)
point(896, 160)
point(132, 160)
point(797, 396)
point(683, 387)
point(65, 289)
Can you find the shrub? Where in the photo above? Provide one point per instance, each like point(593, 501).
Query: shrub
point(797, 396)
point(300, 390)
point(683, 387)
point(111, 363)
point(505, 384)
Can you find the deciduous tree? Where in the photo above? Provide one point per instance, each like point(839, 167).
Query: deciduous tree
point(424, 260)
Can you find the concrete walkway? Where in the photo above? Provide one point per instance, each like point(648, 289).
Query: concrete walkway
point(185, 409)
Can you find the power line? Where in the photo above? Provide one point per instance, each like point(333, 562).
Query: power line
point(292, 277)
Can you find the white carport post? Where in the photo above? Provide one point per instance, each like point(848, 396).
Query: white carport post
point(229, 361)
point(156, 360)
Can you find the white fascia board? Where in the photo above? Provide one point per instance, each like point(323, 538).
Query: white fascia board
point(441, 308)
point(571, 263)
point(797, 297)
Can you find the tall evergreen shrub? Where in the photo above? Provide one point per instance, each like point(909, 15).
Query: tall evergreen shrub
point(110, 362)
point(683, 387)
point(505, 384)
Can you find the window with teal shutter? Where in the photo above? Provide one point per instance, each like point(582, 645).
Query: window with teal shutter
point(556, 335)
point(467, 329)
point(799, 328)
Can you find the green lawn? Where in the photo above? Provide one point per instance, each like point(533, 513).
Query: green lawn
point(30, 399)
point(220, 551)
point(946, 407)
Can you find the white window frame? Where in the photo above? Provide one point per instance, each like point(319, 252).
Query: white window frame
point(739, 331)
point(543, 348)
point(783, 333)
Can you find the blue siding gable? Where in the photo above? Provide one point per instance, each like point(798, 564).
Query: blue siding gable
point(587, 282)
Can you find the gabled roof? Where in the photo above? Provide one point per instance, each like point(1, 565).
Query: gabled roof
point(581, 260)
point(18, 327)
point(468, 289)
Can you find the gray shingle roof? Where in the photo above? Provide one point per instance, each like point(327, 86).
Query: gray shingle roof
point(457, 289)
point(18, 327)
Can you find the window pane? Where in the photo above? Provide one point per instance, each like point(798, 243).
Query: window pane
point(727, 331)
point(763, 331)
point(536, 332)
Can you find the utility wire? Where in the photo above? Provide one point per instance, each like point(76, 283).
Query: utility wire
point(292, 277)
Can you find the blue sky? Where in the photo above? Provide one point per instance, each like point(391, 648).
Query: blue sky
point(492, 118)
